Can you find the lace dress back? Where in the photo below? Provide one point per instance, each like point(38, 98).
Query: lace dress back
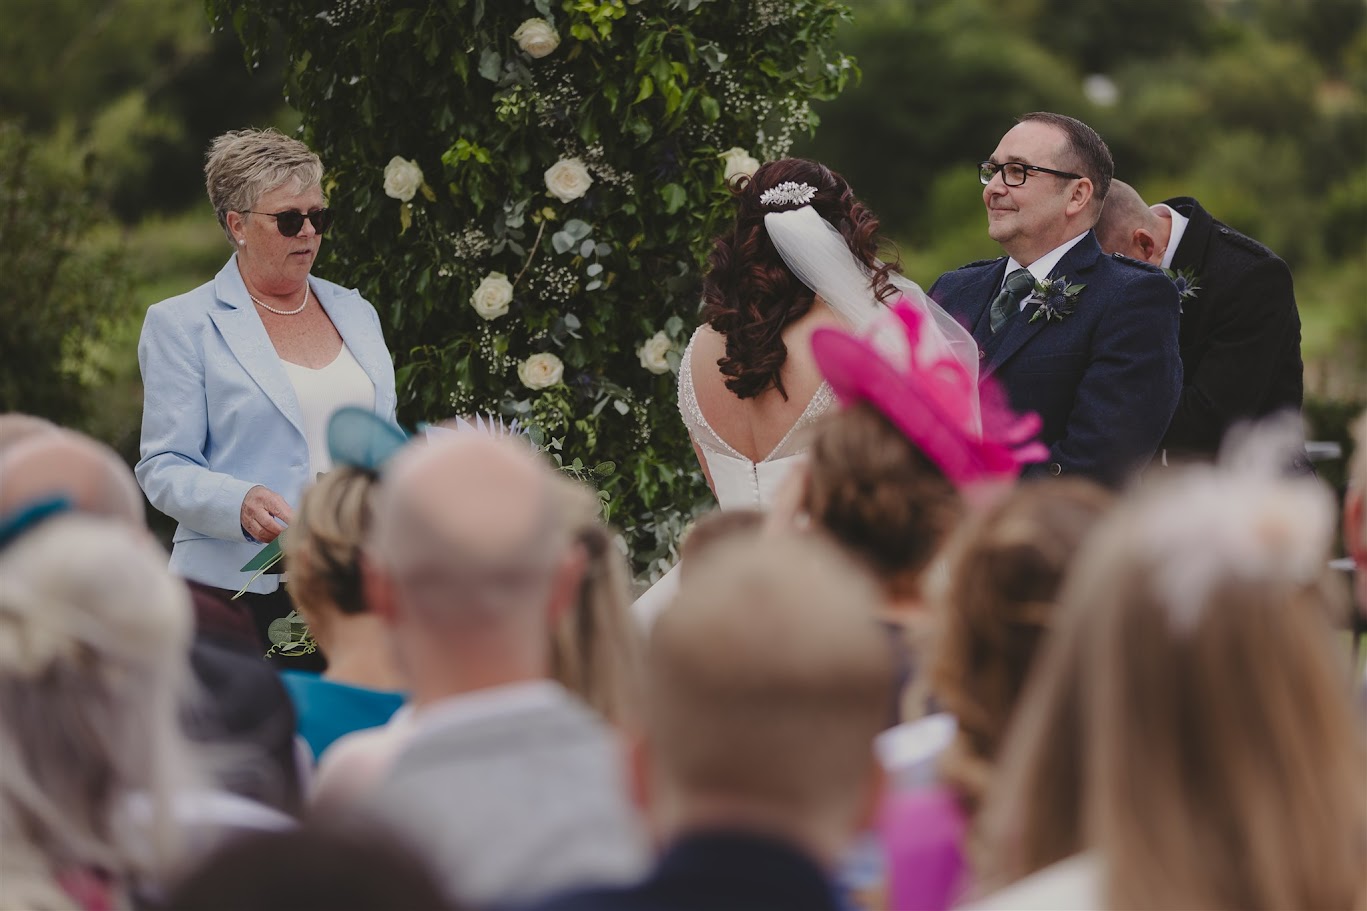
point(739, 482)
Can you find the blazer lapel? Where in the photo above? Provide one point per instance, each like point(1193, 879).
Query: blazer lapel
point(246, 338)
point(353, 324)
point(1020, 330)
point(1200, 224)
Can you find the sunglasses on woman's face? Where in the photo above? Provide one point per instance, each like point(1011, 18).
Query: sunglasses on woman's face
point(291, 223)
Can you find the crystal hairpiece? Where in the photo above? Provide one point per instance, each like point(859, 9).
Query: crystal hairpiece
point(788, 193)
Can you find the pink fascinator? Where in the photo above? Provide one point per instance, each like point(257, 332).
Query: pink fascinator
point(936, 405)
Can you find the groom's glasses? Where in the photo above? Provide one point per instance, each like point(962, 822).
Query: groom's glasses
point(1014, 172)
point(291, 223)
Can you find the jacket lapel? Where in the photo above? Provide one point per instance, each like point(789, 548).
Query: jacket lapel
point(1020, 330)
point(353, 324)
point(1200, 224)
point(246, 338)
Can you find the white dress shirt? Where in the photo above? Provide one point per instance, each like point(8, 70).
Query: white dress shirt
point(1179, 227)
point(1041, 267)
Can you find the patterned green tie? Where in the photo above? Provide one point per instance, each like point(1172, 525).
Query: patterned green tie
point(1018, 285)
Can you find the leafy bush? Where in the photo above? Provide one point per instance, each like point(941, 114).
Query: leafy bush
point(56, 287)
point(636, 102)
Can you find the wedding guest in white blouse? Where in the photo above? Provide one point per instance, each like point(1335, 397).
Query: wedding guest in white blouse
point(241, 374)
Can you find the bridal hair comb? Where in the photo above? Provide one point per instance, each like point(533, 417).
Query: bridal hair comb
point(930, 400)
point(788, 193)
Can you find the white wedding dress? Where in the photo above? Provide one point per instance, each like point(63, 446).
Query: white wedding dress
point(738, 482)
point(817, 254)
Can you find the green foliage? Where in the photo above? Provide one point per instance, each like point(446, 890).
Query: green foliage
point(644, 97)
point(56, 289)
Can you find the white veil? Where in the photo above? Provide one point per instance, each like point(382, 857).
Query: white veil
point(821, 259)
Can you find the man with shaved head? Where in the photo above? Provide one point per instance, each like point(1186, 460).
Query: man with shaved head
point(765, 684)
point(508, 782)
point(1240, 332)
point(247, 710)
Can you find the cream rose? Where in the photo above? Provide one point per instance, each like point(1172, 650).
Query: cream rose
point(654, 353)
point(568, 179)
point(540, 371)
point(402, 178)
point(738, 162)
point(537, 37)
point(493, 295)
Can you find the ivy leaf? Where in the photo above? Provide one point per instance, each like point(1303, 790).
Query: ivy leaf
point(490, 63)
point(647, 89)
point(674, 196)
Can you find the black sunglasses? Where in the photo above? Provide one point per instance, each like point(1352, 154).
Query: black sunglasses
point(291, 223)
point(1014, 172)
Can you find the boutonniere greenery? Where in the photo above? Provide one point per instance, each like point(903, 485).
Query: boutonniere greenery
point(1056, 297)
point(1187, 282)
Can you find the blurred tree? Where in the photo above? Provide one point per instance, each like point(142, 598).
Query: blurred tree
point(55, 287)
point(940, 85)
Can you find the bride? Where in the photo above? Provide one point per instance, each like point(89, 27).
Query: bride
point(802, 255)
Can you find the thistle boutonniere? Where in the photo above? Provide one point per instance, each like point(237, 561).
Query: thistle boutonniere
point(1056, 297)
point(1187, 283)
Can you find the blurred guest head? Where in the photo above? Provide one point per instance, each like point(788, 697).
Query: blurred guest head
point(1190, 720)
point(323, 555)
point(1355, 511)
point(765, 685)
point(470, 562)
point(16, 426)
point(1006, 567)
point(876, 493)
point(720, 527)
point(93, 640)
point(324, 867)
point(595, 646)
point(63, 463)
point(750, 295)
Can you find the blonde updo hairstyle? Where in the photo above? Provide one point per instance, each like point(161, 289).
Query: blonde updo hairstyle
point(595, 646)
point(241, 165)
point(323, 547)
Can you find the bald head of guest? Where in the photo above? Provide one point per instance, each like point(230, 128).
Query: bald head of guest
point(54, 462)
point(15, 427)
point(467, 562)
point(766, 682)
point(1131, 227)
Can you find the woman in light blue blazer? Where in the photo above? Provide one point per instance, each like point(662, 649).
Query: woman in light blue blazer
point(241, 374)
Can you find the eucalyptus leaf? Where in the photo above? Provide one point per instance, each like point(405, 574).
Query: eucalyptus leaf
point(593, 285)
point(594, 269)
point(603, 249)
point(621, 406)
point(577, 229)
point(561, 242)
point(586, 249)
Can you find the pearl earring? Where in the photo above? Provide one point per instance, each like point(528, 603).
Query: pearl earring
point(241, 242)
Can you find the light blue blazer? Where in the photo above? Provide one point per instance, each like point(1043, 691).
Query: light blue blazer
point(219, 416)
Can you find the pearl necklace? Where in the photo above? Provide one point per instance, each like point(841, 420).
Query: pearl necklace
point(296, 310)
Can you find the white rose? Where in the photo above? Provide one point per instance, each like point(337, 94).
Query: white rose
point(493, 295)
point(568, 179)
point(738, 162)
point(540, 371)
point(402, 178)
point(537, 37)
point(653, 353)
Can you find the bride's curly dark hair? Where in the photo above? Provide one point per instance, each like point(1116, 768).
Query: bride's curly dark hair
point(749, 294)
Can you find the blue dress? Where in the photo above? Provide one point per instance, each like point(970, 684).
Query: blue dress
point(326, 709)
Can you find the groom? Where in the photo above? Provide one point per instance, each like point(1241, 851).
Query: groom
point(1096, 357)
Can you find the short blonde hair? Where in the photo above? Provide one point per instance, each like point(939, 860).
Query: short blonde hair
point(1191, 719)
point(596, 646)
point(243, 164)
point(323, 548)
point(769, 676)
